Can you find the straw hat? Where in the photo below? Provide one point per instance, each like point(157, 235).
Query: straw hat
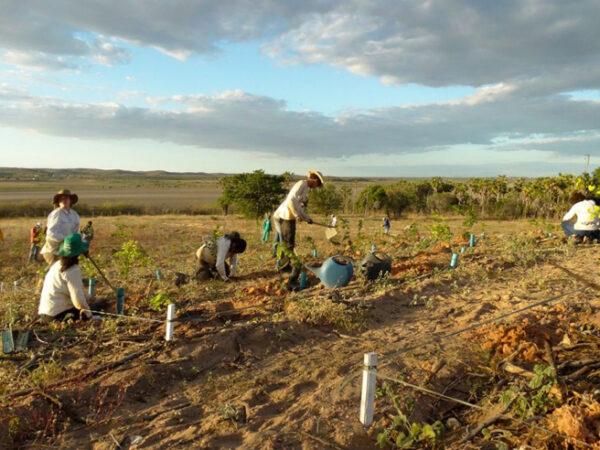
point(64, 192)
point(316, 173)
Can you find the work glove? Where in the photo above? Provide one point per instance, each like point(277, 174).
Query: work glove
point(86, 315)
point(309, 221)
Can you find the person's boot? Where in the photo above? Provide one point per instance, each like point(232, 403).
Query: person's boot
point(292, 283)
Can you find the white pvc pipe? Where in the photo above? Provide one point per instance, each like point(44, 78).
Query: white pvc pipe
point(369, 381)
point(169, 324)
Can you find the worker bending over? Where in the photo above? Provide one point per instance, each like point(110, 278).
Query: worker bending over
point(213, 257)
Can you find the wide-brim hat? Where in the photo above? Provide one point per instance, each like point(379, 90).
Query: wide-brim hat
point(73, 245)
point(65, 192)
point(316, 173)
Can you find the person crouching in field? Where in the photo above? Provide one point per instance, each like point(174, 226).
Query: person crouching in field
point(290, 211)
point(587, 222)
point(63, 296)
point(212, 257)
point(62, 221)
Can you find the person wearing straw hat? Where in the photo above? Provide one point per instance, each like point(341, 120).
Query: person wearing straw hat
point(61, 222)
point(63, 295)
point(35, 239)
point(292, 210)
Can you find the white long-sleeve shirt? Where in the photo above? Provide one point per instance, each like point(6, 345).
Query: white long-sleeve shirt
point(217, 257)
point(62, 291)
point(291, 208)
point(587, 218)
point(61, 223)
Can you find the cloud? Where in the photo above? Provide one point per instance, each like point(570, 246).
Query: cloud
point(453, 42)
point(240, 121)
point(543, 46)
point(179, 28)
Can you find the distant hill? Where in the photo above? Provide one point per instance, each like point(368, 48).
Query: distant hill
point(15, 174)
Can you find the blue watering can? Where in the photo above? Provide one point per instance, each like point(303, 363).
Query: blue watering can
point(335, 272)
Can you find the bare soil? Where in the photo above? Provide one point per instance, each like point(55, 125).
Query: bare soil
point(258, 367)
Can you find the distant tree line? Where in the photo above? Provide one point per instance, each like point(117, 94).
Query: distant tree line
point(256, 193)
point(501, 198)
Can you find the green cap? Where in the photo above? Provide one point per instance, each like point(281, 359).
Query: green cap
point(73, 246)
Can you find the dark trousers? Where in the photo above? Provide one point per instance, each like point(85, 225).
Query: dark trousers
point(287, 229)
point(207, 272)
point(569, 229)
point(74, 313)
point(33, 252)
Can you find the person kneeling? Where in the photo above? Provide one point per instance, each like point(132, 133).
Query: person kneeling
point(63, 296)
point(212, 257)
point(587, 223)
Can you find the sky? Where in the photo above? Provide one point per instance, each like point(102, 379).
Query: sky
point(352, 88)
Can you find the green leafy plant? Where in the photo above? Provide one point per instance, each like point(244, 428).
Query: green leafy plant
point(283, 251)
point(160, 301)
point(130, 254)
point(401, 433)
point(121, 232)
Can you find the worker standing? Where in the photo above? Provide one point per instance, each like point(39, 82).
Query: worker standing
point(87, 232)
point(62, 221)
point(35, 239)
point(266, 227)
point(292, 210)
point(386, 226)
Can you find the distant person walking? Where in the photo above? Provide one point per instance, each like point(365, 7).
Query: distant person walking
point(266, 227)
point(36, 237)
point(213, 255)
point(62, 221)
point(582, 219)
point(87, 232)
point(333, 221)
point(290, 211)
point(386, 226)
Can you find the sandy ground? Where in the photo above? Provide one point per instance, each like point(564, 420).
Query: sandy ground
point(286, 374)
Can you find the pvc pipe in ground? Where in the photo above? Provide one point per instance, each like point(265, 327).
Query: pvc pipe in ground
point(367, 398)
point(315, 253)
point(120, 300)
point(463, 249)
point(169, 324)
point(472, 240)
point(159, 274)
point(454, 260)
point(373, 247)
point(303, 279)
point(92, 287)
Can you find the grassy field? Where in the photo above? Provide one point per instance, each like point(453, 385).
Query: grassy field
point(258, 367)
point(143, 189)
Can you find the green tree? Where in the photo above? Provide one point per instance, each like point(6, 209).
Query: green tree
point(325, 200)
point(252, 194)
point(399, 197)
point(372, 198)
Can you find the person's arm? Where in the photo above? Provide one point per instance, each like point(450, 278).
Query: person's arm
point(76, 290)
point(572, 213)
point(222, 251)
point(296, 204)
